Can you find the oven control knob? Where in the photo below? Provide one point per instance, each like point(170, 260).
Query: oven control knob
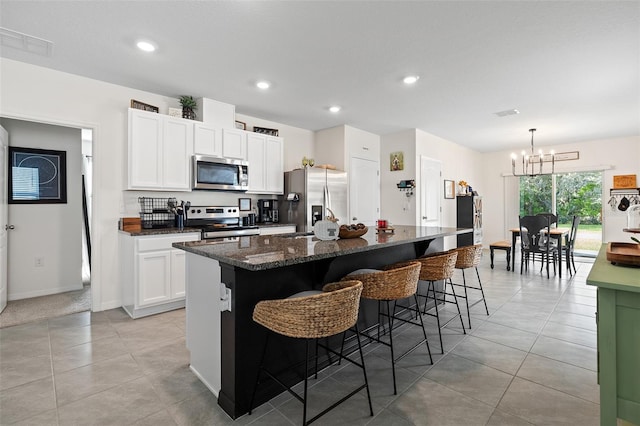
point(199, 210)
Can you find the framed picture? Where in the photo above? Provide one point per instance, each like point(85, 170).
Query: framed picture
point(37, 176)
point(396, 161)
point(449, 189)
point(266, 131)
point(141, 105)
point(244, 204)
point(241, 125)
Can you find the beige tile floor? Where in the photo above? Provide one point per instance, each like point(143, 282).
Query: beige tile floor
point(532, 361)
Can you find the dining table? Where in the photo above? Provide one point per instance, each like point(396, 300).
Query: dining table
point(556, 233)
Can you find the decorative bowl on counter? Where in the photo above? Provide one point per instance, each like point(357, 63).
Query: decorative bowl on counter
point(354, 233)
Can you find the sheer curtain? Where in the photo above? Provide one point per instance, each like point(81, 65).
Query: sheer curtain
point(511, 203)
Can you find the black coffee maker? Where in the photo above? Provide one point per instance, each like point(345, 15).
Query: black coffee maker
point(267, 211)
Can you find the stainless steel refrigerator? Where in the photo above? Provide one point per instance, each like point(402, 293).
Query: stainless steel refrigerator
point(308, 193)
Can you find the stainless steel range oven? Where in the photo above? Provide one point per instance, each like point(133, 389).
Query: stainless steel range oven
point(219, 222)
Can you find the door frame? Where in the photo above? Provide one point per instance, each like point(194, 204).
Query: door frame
point(96, 262)
point(4, 265)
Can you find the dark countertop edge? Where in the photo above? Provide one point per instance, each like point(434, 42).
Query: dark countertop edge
point(278, 264)
point(160, 231)
point(186, 230)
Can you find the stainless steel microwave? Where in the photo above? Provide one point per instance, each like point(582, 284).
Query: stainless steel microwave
point(220, 173)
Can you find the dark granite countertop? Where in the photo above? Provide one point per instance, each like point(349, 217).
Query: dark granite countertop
point(273, 251)
point(161, 231)
point(186, 230)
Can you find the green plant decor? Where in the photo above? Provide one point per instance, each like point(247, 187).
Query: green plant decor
point(188, 102)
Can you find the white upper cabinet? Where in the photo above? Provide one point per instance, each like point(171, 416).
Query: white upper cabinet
point(256, 146)
point(274, 165)
point(207, 140)
point(160, 148)
point(234, 144)
point(266, 165)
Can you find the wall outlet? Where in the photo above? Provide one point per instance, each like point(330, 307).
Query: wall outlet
point(39, 262)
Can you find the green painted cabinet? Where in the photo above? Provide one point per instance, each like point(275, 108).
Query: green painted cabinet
point(618, 339)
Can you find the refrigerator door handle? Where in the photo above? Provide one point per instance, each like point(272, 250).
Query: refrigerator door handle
point(327, 198)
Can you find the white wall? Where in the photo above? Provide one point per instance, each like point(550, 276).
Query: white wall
point(330, 147)
point(621, 154)
point(394, 204)
point(51, 232)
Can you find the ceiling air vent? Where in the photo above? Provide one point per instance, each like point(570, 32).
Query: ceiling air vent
point(507, 112)
point(25, 42)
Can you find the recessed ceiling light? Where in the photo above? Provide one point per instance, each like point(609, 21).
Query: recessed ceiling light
point(410, 79)
point(146, 46)
point(263, 85)
point(507, 112)
point(335, 109)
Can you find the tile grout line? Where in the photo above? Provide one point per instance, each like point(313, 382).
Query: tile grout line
point(53, 375)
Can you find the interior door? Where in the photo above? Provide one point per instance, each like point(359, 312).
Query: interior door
point(4, 225)
point(430, 184)
point(364, 191)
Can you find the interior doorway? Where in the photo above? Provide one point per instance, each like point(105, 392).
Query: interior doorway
point(43, 240)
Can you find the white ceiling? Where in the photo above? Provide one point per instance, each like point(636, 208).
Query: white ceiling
point(572, 68)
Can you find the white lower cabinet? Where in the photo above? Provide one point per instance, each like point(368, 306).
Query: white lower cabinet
point(153, 273)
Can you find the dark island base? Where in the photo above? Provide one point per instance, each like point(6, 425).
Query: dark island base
point(243, 339)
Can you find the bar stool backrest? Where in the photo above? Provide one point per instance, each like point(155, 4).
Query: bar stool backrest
point(396, 281)
point(469, 256)
point(326, 314)
point(439, 267)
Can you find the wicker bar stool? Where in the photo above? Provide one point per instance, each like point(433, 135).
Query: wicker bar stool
point(440, 267)
point(391, 284)
point(469, 257)
point(312, 317)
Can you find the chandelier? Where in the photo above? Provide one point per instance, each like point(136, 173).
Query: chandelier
point(531, 162)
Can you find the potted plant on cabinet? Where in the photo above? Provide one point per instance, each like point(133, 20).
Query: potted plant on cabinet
point(188, 107)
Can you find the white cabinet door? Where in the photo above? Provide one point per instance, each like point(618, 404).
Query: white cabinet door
point(178, 273)
point(160, 149)
point(274, 165)
point(177, 151)
point(154, 277)
point(234, 144)
point(256, 151)
point(206, 140)
point(145, 150)
point(364, 191)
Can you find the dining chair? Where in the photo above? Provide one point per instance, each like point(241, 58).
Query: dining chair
point(570, 243)
point(534, 241)
point(553, 222)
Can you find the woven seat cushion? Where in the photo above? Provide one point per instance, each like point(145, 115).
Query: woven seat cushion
point(305, 294)
point(363, 271)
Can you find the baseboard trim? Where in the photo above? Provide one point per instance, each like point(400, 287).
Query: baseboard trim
point(43, 292)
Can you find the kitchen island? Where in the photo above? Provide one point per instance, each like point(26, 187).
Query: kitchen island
point(618, 317)
point(226, 280)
